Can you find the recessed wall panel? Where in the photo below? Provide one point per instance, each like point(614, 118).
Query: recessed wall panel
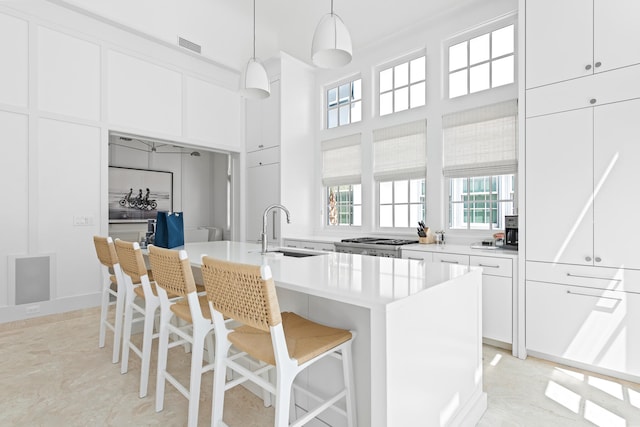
point(68, 209)
point(142, 95)
point(14, 51)
point(68, 75)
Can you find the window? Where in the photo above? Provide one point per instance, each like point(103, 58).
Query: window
point(344, 104)
point(344, 205)
point(481, 202)
point(480, 158)
point(403, 86)
point(483, 62)
point(341, 175)
point(399, 169)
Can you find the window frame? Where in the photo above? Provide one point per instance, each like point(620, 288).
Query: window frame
point(326, 208)
point(391, 65)
point(468, 36)
point(378, 203)
point(336, 85)
point(469, 229)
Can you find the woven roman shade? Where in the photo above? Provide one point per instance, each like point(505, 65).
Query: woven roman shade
point(341, 161)
point(482, 141)
point(400, 152)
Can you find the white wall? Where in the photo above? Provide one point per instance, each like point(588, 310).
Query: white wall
point(428, 38)
point(66, 81)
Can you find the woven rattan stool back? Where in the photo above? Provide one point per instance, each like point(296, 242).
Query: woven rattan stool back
point(106, 251)
point(131, 259)
point(170, 272)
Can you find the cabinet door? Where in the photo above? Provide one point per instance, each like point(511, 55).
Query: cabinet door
point(559, 187)
point(559, 38)
point(451, 258)
point(263, 189)
point(616, 162)
point(593, 326)
point(497, 303)
point(616, 34)
point(263, 120)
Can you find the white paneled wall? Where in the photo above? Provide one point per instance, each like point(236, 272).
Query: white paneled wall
point(143, 95)
point(68, 169)
point(14, 72)
point(68, 75)
point(66, 81)
point(15, 191)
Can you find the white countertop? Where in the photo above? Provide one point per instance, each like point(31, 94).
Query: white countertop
point(372, 282)
point(462, 249)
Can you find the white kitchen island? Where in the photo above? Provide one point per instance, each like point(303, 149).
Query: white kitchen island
point(418, 349)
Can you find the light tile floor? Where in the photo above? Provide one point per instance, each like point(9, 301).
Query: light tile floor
point(52, 373)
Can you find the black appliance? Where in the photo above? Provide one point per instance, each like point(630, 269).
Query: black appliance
point(511, 231)
point(374, 246)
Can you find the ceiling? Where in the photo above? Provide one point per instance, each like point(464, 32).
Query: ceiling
point(224, 28)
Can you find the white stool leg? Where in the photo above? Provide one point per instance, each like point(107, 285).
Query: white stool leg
point(117, 334)
point(163, 349)
point(284, 384)
point(147, 339)
point(126, 338)
point(197, 353)
point(219, 375)
point(104, 310)
point(347, 370)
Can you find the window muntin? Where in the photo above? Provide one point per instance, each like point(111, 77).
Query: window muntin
point(483, 62)
point(344, 205)
point(481, 202)
point(402, 86)
point(401, 203)
point(344, 104)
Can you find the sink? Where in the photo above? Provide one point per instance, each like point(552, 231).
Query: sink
point(297, 254)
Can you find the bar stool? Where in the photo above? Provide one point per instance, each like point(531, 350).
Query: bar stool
point(140, 285)
point(284, 341)
point(112, 285)
point(173, 275)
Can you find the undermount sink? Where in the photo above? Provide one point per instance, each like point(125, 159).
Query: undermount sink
point(296, 254)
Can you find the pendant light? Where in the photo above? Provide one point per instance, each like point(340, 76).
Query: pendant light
point(256, 80)
point(331, 46)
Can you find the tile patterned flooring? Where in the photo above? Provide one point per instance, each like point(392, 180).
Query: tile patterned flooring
point(52, 373)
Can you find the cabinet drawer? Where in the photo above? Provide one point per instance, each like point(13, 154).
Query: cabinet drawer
point(493, 266)
point(593, 326)
point(451, 258)
point(263, 157)
point(604, 88)
point(419, 255)
point(592, 277)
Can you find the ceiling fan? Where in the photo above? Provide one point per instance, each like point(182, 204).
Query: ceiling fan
point(152, 147)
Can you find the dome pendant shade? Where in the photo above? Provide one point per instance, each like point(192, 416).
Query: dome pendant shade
point(256, 81)
point(331, 46)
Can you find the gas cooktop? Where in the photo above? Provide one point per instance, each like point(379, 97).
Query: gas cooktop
point(379, 241)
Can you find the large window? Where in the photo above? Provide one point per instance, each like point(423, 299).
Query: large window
point(344, 103)
point(483, 62)
point(344, 205)
point(481, 202)
point(480, 158)
point(403, 86)
point(341, 171)
point(402, 202)
point(399, 169)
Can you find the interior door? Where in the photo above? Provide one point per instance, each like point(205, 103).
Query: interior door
point(616, 163)
point(559, 187)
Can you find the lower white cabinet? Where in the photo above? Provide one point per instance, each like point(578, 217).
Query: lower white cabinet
point(595, 327)
point(451, 258)
point(309, 244)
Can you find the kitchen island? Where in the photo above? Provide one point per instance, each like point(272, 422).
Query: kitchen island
point(418, 349)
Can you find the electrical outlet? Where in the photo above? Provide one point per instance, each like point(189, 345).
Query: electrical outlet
point(32, 309)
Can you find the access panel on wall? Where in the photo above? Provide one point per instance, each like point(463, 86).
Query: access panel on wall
point(136, 195)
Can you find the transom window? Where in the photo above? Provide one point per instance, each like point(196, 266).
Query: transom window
point(483, 62)
point(344, 205)
point(344, 104)
point(401, 202)
point(481, 202)
point(403, 86)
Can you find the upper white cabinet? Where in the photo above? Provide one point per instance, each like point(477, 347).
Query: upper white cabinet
point(566, 39)
point(263, 120)
point(14, 51)
point(580, 169)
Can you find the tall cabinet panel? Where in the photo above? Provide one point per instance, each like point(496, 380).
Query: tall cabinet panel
point(616, 161)
point(559, 187)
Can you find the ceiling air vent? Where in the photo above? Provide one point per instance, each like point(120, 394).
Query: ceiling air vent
point(189, 45)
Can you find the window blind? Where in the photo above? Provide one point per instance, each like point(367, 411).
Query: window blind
point(341, 161)
point(400, 152)
point(481, 141)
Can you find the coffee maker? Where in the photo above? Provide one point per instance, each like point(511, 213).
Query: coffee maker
point(511, 231)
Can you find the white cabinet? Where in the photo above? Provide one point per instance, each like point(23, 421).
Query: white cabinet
point(590, 326)
point(309, 244)
point(567, 39)
point(262, 193)
point(580, 169)
point(263, 120)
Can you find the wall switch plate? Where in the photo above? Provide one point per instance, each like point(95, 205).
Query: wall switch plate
point(82, 220)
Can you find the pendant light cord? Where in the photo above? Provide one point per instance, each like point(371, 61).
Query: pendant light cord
point(254, 28)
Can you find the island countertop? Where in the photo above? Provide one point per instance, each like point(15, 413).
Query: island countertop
point(371, 282)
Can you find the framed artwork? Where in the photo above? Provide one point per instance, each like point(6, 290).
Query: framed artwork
point(136, 195)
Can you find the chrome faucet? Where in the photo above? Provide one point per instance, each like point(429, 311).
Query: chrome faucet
point(263, 236)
